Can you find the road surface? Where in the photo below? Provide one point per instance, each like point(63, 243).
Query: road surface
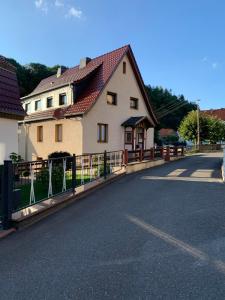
point(156, 234)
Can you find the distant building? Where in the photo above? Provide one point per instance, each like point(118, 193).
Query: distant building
point(219, 113)
point(166, 132)
point(11, 109)
point(101, 104)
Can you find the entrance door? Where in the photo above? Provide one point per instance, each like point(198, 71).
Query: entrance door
point(140, 138)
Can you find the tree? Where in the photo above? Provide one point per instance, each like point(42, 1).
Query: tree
point(161, 100)
point(212, 130)
point(30, 75)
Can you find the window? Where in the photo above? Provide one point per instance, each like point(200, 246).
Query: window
point(27, 107)
point(124, 67)
point(111, 98)
point(62, 99)
point(49, 102)
point(102, 133)
point(128, 136)
point(58, 133)
point(37, 104)
point(134, 103)
point(40, 133)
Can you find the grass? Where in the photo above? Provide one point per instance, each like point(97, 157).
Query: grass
point(41, 191)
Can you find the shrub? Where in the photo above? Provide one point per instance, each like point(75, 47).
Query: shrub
point(57, 176)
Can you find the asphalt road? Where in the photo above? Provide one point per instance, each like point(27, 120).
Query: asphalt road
point(157, 234)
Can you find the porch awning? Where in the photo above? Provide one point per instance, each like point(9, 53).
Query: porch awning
point(135, 121)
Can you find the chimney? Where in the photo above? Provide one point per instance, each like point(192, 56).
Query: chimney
point(60, 71)
point(84, 61)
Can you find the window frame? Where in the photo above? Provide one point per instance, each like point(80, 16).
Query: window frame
point(49, 98)
point(57, 139)
point(35, 106)
point(40, 134)
point(132, 100)
point(28, 104)
point(114, 95)
point(62, 95)
point(100, 139)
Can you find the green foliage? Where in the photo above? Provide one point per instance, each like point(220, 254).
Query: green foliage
point(170, 139)
point(16, 158)
point(59, 154)
point(161, 99)
point(30, 75)
point(212, 130)
point(57, 176)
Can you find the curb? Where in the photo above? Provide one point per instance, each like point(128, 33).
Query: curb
point(26, 222)
point(5, 233)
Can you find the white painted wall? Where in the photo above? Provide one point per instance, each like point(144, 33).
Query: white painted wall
point(55, 99)
point(126, 86)
point(8, 138)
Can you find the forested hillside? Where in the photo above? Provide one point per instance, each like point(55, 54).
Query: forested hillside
point(169, 108)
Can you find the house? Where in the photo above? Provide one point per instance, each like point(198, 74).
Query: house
point(167, 132)
point(218, 113)
point(101, 104)
point(11, 109)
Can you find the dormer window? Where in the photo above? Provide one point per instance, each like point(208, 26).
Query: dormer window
point(49, 102)
point(38, 105)
point(62, 99)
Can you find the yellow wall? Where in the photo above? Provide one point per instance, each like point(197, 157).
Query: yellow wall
point(125, 85)
point(30, 149)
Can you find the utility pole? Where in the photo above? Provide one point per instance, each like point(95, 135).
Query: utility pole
point(198, 126)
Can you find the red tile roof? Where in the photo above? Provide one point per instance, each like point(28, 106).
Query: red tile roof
point(10, 105)
point(164, 132)
point(219, 113)
point(102, 68)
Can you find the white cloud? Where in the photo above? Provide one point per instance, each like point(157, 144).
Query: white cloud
point(75, 13)
point(59, 3)
point(42, 5)
point(215, 65)
point(205, 59)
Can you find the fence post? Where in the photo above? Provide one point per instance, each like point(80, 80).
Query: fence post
point(182, 150)
point(7, 193)
point(175, 150)
point(152, 153)
point(141, 155)
point(167, 156)
point(105, 164)
point(74, 174)
point(125, 156)
point(162, 152)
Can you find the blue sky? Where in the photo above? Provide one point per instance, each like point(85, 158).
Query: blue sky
point(178, 44)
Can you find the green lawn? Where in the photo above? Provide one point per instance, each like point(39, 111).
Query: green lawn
point(41, 191)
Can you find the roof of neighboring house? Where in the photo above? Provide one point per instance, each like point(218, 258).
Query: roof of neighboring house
point(164, 132)
point(98, 72)
point(10, 105)
point(219, 113)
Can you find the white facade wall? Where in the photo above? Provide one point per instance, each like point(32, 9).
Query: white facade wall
point(55, 99)
point(126, 86)
point(8, 138)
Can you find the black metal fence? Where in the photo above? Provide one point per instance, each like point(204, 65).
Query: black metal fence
point(36, 181)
